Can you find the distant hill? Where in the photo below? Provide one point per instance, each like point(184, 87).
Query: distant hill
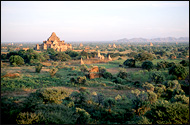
point(167, 39)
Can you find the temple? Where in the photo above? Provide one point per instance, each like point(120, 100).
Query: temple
point(53, 42)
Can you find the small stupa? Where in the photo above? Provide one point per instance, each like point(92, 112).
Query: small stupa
point(109, 58)
point(81, 62)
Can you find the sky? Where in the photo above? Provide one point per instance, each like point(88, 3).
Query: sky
point(34, 21)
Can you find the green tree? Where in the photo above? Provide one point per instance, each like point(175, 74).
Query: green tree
point(129, 63)
point(18, 60)
point(179, 71)
point(144, 56)
point(147, 65)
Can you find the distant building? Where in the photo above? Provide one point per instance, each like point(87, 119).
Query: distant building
point(25, 49)
point(81, 45)
point(114, 46)
point(53, 42)
point(151, 44)
point(99, 56)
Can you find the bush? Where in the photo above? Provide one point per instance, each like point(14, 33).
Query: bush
point(53, 71)
point(159, 90)
point(147, 65)
point(121, 87)
point(102, 70)
point(139, 120)
point(45, 96)
point(162, 65)
point(164, 112)
point(107, 75)
point(185, 62)
point(84, 117)
point(81, 80)
point(172, 84)
point(56, 114)
point(27, 118)
point(122, 74)
point(129, 63)
point(152, 97)
point(180, 98)
point(148, 86)
point(157, 77)
point(83, 68)
point(16, 59)
point(38, 68)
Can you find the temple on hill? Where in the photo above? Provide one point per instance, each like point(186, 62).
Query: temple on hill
point(54, 42)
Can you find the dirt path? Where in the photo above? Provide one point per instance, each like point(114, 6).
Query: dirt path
point(116, 70)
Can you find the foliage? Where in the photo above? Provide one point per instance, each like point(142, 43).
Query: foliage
point(180, 98)
point(162, 65)
point(27, 118)
point(56, 114)
point(159, 90)
point(129, 63)
point(53, 71)
point(109, 102)
point(83, 68)
point(148, 86)
point(185, 62)
point(45, 96)
point(84, 117)
point(152, 97)
point(18, 60)
point(139, 120)
point(107, 75)
point(147, 65)
point(122, 74)
point(144, 56)
point(81, 80)
point(139, 101)
point(121, 87)
point(157, 77)
point(159, 113)
point(61, 56)
point(38, 67)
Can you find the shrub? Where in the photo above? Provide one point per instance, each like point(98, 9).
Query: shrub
point(139, 120)
point(83, 68)
point(148, 86)
point(107, 75)
point(172, 84)
point(27, 118)
point(56, 114)
point(147, 65)
point(157, 77)
point(164, 112)
point(16, 59)
point(143, 56)
point(81, 80)
point(53, 71)
point(185, 62)
point(180, 98)
point(109, 102)
point(139, 101)
point(38, 68)
point(122, 74)
point(84, 117)
point(121, 87)
point(159, 90)
point(129, 63)
point(152, 97)
point(102, 70)
point(161, 65)
point(117, 80)
point(137, 83)
point(45, 96)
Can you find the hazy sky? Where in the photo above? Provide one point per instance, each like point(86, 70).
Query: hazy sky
point(93, 20)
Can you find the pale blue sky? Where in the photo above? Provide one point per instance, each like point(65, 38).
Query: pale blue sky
point(92, 20)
